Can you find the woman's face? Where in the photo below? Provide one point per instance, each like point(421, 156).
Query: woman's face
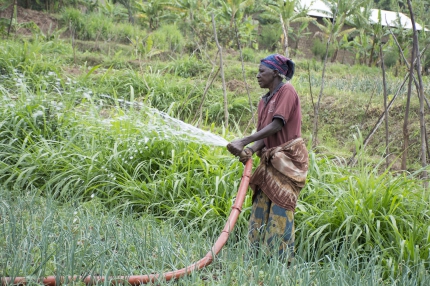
point(265, 76)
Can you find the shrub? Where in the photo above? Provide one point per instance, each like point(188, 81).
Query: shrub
point(188, 66)
point(74, 17)
point(248, 55)
point(319, 49)
point(391, 57)
point(122, 32)
point(169, 38)
point(215, 112)
point(97, 27)
point(269, 37)
point(239, 107)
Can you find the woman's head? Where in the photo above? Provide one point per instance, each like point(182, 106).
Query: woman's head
point(283, 65)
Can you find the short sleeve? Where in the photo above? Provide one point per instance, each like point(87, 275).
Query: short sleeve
point(286, 103)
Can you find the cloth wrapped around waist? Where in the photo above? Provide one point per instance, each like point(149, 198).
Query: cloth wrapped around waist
point(282, 173)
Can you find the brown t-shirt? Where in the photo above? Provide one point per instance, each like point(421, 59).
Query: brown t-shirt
point(284, 104)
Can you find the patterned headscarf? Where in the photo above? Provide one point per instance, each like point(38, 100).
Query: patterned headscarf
point(283, 65)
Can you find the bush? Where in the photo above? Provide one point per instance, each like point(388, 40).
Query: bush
point(391, 57)
point(122, 32)
point(187, 66)
point(269, 37)
point(168, 38)
point(97, 27)
point(74, 17)
point(248, 55)
point(319, 49)
point(239, 107)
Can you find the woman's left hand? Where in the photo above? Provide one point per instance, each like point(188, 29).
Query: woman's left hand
point(244, 156)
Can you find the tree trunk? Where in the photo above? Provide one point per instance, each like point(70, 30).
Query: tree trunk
point(285, 31)
point(208, 84)
point(243, 72)
point(222, 74)
point(317, 106)
point(387, 161)
point(14, 6)
point(130, 12)
point(372, 51)
point(408, 103)
point(421, 96)
point(334, 57)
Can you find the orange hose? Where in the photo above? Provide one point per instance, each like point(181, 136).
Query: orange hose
point(143, 279)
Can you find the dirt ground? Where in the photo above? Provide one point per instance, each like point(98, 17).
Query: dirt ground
point(46, 22)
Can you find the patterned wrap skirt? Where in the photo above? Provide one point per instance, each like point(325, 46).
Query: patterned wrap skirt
point(271, 229)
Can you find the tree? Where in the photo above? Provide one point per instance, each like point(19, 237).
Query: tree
point(390, 5)
point(288, 11)
point(187, 9)
point(362, 45)
point(221, 64)
point(333, 25)
point(421, 10)
point(129, 5)
point(297, 34)
point(403, 37)
point(236, 16)
point(234, 10)
point(152, 11)
point(333, 30)
point(368, 33)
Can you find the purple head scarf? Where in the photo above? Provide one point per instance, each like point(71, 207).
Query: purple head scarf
point(283, 65)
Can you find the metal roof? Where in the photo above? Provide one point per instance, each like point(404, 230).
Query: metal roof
point(393, 19)
point(318, 8)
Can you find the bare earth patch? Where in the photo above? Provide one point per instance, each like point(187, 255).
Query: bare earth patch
point(46, 22)
point(234, 85)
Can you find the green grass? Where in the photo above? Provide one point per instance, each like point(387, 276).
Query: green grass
point(41, 237)
point(90, 185)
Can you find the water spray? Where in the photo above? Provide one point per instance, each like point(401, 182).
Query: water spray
point(176, 127)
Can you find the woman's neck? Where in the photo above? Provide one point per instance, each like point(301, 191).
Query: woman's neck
point(274, 84)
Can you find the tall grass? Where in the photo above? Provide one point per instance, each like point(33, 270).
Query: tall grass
point(97, 26)
point(41, 237)
point(90, 185)
point(365, 212)
point(71, 151)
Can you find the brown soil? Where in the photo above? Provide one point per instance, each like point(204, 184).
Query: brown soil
point(72, 70)
point(46, 22)
point(234, 85)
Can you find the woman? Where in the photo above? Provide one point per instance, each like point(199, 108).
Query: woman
point(277, 181)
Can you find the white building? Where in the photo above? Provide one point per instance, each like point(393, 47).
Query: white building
point(319, 9)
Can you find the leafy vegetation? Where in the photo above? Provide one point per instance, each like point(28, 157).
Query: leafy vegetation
point(97, 178)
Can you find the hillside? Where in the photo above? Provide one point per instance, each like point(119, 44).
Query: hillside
point(352, 100)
